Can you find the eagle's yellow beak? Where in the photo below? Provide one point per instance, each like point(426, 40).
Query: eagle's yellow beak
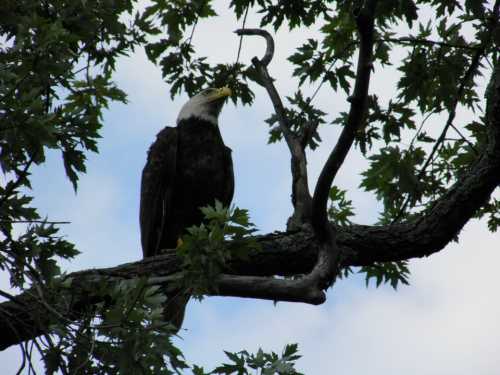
point(226, 91)
point(220, 93)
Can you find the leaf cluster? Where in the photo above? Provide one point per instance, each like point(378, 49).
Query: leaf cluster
point(243, 363)
point(206, 250)
point(301, 117)
point(393, 273)
point(56, 60)
point(181, 68)
point(111, 337)
point(340, 208)
point(56, 63)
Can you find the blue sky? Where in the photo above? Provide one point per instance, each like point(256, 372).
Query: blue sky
point(445, 322)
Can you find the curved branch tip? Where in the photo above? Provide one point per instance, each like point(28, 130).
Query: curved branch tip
point(268, 56)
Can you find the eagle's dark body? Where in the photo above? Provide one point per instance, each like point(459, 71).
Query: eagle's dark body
point(188, 167)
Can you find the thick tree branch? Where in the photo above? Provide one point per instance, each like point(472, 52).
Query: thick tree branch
point(309, 287)
point(301, 197)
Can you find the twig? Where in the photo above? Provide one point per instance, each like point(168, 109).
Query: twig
point(30, 354)
point(23, 363)
point(10, 297)
point(468, 74)
point(471, 145)
point(190, 39)
point(311, 128)
point(330, 67)
point(335, 58)
point(240, 44)
point(34, 221)
point(412, 41)
point(420, 128)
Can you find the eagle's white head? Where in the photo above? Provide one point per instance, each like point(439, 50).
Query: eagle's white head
point(205, 105)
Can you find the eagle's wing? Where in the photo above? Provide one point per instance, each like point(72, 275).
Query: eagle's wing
point(157, 184)
point(228, 167)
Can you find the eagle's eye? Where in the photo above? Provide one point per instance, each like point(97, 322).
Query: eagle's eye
point(208, 92)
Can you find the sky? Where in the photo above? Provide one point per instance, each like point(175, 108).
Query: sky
point(445, 322)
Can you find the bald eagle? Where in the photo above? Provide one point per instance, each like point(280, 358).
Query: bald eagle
point(188, 167)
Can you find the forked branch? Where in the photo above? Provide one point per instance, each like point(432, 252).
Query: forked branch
point(327, 262)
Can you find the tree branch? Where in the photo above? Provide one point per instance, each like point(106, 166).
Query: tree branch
point(301, 290)
point(301, 197)
point(326, 267)
point(365, 23)
point(269, 54)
